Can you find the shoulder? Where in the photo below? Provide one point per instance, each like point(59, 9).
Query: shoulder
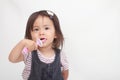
point(64, 61)
point(63, 55)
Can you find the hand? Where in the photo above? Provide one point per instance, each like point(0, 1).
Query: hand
point(30, 44)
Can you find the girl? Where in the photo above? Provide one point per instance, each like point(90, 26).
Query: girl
point(47, 62)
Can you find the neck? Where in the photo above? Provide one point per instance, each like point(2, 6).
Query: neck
point(45, 50)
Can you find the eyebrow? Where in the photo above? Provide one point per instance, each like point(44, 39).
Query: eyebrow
point(35, 26)
point(46, 25)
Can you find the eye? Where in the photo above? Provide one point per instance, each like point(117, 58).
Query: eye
point(35, 29)
point(46, 28)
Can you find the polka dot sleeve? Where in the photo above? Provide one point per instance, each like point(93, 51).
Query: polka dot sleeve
point(64, 61)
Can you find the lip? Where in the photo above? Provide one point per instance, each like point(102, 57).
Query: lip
point(43, 39)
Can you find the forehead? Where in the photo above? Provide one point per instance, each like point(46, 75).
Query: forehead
point(43, 20)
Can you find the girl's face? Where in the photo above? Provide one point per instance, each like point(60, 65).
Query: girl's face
point(44, 30)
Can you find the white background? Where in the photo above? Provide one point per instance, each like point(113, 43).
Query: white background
point(91, 29)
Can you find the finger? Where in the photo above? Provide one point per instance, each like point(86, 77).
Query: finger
point(35, 47)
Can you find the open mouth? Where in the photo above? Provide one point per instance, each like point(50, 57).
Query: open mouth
point(43, 39)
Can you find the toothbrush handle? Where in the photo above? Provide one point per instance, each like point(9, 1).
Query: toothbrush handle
point(25, 50)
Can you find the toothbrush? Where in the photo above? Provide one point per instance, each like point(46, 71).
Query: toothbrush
point(39, 43)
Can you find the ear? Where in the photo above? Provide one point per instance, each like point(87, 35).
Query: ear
point(55, 36)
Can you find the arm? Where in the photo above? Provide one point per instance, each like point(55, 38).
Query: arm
point(16, 53)
point(65, 74)
point(65, 65)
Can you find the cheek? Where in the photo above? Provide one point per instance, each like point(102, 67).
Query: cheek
point(52, 35)
point(34, 36)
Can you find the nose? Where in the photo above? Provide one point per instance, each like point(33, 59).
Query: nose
point(41, 32)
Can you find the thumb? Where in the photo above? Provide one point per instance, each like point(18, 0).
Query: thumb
point(36, 47)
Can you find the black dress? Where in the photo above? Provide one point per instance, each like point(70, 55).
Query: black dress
point(44, 71)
